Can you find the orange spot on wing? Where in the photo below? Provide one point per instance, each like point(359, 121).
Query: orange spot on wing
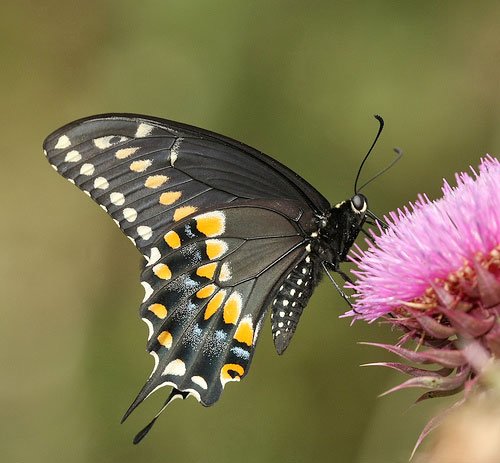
point(162, 271)
point(232, 308)
point(215, 248)
point(184, 211)
point(231, 372)
point(140, 166)
point(207, 270)
point(159, 310)
point(165, 339)
point(172, 239)
point(211, 224)
point(244, 332)
point(207, 291)
point(155, 181)
point(125, 152)
point(170, 197)
point(214, 304)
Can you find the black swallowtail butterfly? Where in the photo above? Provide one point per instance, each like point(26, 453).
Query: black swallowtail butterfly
point(227, 233)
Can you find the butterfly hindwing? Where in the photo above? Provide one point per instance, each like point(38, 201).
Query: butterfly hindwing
point(207, 293)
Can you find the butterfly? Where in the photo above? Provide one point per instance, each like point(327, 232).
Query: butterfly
point(227, 233)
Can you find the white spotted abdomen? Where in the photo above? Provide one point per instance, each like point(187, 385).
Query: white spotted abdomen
point(290, 301)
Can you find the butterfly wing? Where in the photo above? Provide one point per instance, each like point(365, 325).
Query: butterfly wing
point(208, 292)
point(219, 223)
point(149, 173)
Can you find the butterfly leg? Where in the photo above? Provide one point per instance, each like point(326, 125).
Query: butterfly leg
point(327, 266)
point(367, 235)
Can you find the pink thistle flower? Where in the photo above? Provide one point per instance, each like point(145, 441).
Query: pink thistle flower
point(434, 273)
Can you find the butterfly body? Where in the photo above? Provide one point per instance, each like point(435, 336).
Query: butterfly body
point(227, 233)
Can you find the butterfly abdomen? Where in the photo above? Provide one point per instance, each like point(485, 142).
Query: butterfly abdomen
point(290, 301)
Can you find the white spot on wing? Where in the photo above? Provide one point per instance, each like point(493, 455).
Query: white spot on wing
point(62, 142)
point(117, 198)
point(144, 232)
point(147, 290)
point(157, 361)
point(174, 151)
point(87, 169)
point(176, 367)
point(154, 257)
point(225, 272)
point(143, 130)
point(151, 329)
point(199, 381)
point(105, 142)
point(73, 156)
point(194, 393)
point(129, 214)
point(101, 183)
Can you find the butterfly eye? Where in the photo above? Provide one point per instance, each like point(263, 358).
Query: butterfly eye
point(359, 203)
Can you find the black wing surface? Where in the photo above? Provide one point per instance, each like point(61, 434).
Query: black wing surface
point(219, 223)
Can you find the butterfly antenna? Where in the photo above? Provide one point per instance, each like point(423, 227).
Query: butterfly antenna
point(399, 154)
point(380, 128)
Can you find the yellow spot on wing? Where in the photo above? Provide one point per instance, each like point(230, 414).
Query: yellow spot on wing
point(140, 166)
point(215, 248)
point(232, 308)
point(165, 339)
point(207, 270)
point(172, 239)
point(211, 224)
point(244, 332)
point(155, 181)
point(206, 291)
point(162, 271)
point(231, 372)
point(170, 197)
point(159, 310)
point(184, 211)
point(214, 304)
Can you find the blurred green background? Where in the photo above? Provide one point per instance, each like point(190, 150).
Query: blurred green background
point(298, 80)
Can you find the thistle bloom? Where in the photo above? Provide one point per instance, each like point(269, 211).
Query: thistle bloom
point(434, 273)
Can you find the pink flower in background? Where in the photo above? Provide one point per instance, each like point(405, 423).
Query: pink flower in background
point(434, 273)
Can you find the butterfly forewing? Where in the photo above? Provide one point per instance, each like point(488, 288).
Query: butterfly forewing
point(220, 224)
point(148, 173)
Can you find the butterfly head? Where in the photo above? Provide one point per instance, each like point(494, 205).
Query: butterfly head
point(359, 204)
